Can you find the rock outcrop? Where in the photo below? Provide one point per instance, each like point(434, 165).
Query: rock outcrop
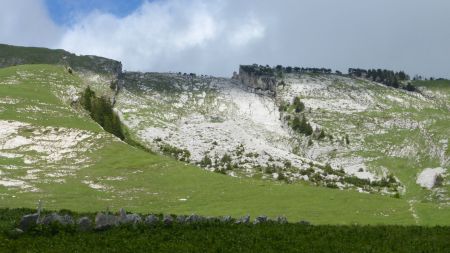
point(256, 81)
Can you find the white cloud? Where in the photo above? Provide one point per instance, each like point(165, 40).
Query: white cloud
point(247, 32)
point(215, 36)
point(159, 34)
point(26, 22)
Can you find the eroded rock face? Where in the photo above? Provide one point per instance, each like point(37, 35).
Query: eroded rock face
point(258, 82)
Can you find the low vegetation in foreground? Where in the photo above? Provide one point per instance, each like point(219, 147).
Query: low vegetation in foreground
point(221, 237)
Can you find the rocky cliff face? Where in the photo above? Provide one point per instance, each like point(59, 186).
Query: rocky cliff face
point(258, 83)
point(14, 55)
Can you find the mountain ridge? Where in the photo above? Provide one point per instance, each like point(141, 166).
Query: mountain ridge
point(370, 131)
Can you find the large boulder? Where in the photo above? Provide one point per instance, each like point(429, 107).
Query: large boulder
point(84, 224)
point(151, 220)
point(167, 220)
point(243, 220)
point(28, 221)
point(181, 219)
point(125, 218)
point(281, 220)
point(260, 219)
point(226, 219)
point(191, 219)
point(105, 221)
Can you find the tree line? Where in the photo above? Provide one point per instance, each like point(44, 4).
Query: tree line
point(101, 110)
point(384, 76)
point(279, 69)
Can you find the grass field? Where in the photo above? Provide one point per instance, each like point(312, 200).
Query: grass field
point(112, 174)
point(220, 237)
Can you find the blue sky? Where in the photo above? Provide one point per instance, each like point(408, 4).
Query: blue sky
point(66, 12)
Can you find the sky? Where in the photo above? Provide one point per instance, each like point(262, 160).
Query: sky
point(216, 36)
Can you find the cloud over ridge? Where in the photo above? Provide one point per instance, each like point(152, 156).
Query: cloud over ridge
point(215, 36)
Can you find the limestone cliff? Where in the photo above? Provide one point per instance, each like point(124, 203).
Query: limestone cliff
point(257, 80)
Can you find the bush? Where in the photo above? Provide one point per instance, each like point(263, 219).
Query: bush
point(226, 158)
point(180, 154)
point(298, 105)
point(206, 161)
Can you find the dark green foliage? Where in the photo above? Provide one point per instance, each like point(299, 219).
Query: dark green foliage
point(217, 237)
point(257, 69)
point(410, 87)
point(347, 139)
point(439, 181)
point(102, 112)
point(298, 105)
point(226, 158)
point(279, 70)
point(206, 161)
point(302, 126)
point(384, 76)
point(240, 149)
point(178, 153)
point(358, 182)
point(321, 135)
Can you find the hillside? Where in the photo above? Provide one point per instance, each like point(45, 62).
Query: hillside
point(52, 150)
point(372, 132)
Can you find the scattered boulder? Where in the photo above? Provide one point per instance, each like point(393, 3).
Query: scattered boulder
point(260, 219)
point(28, 221)
point(105, 221)
point(167, 220)
point(191, 219)
point(181, 219)
point(84, 224)
point(226, 219)
point(125, 218)
point(281, 220)
point(151, 220)
point(243, 220)
point(56, 218)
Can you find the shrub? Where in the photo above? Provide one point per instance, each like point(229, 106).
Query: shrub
point(206, 161)
point(226, 158)
point(298, 105)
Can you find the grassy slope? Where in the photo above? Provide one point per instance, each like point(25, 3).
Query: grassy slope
point(15, 55)
point(156, 183)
